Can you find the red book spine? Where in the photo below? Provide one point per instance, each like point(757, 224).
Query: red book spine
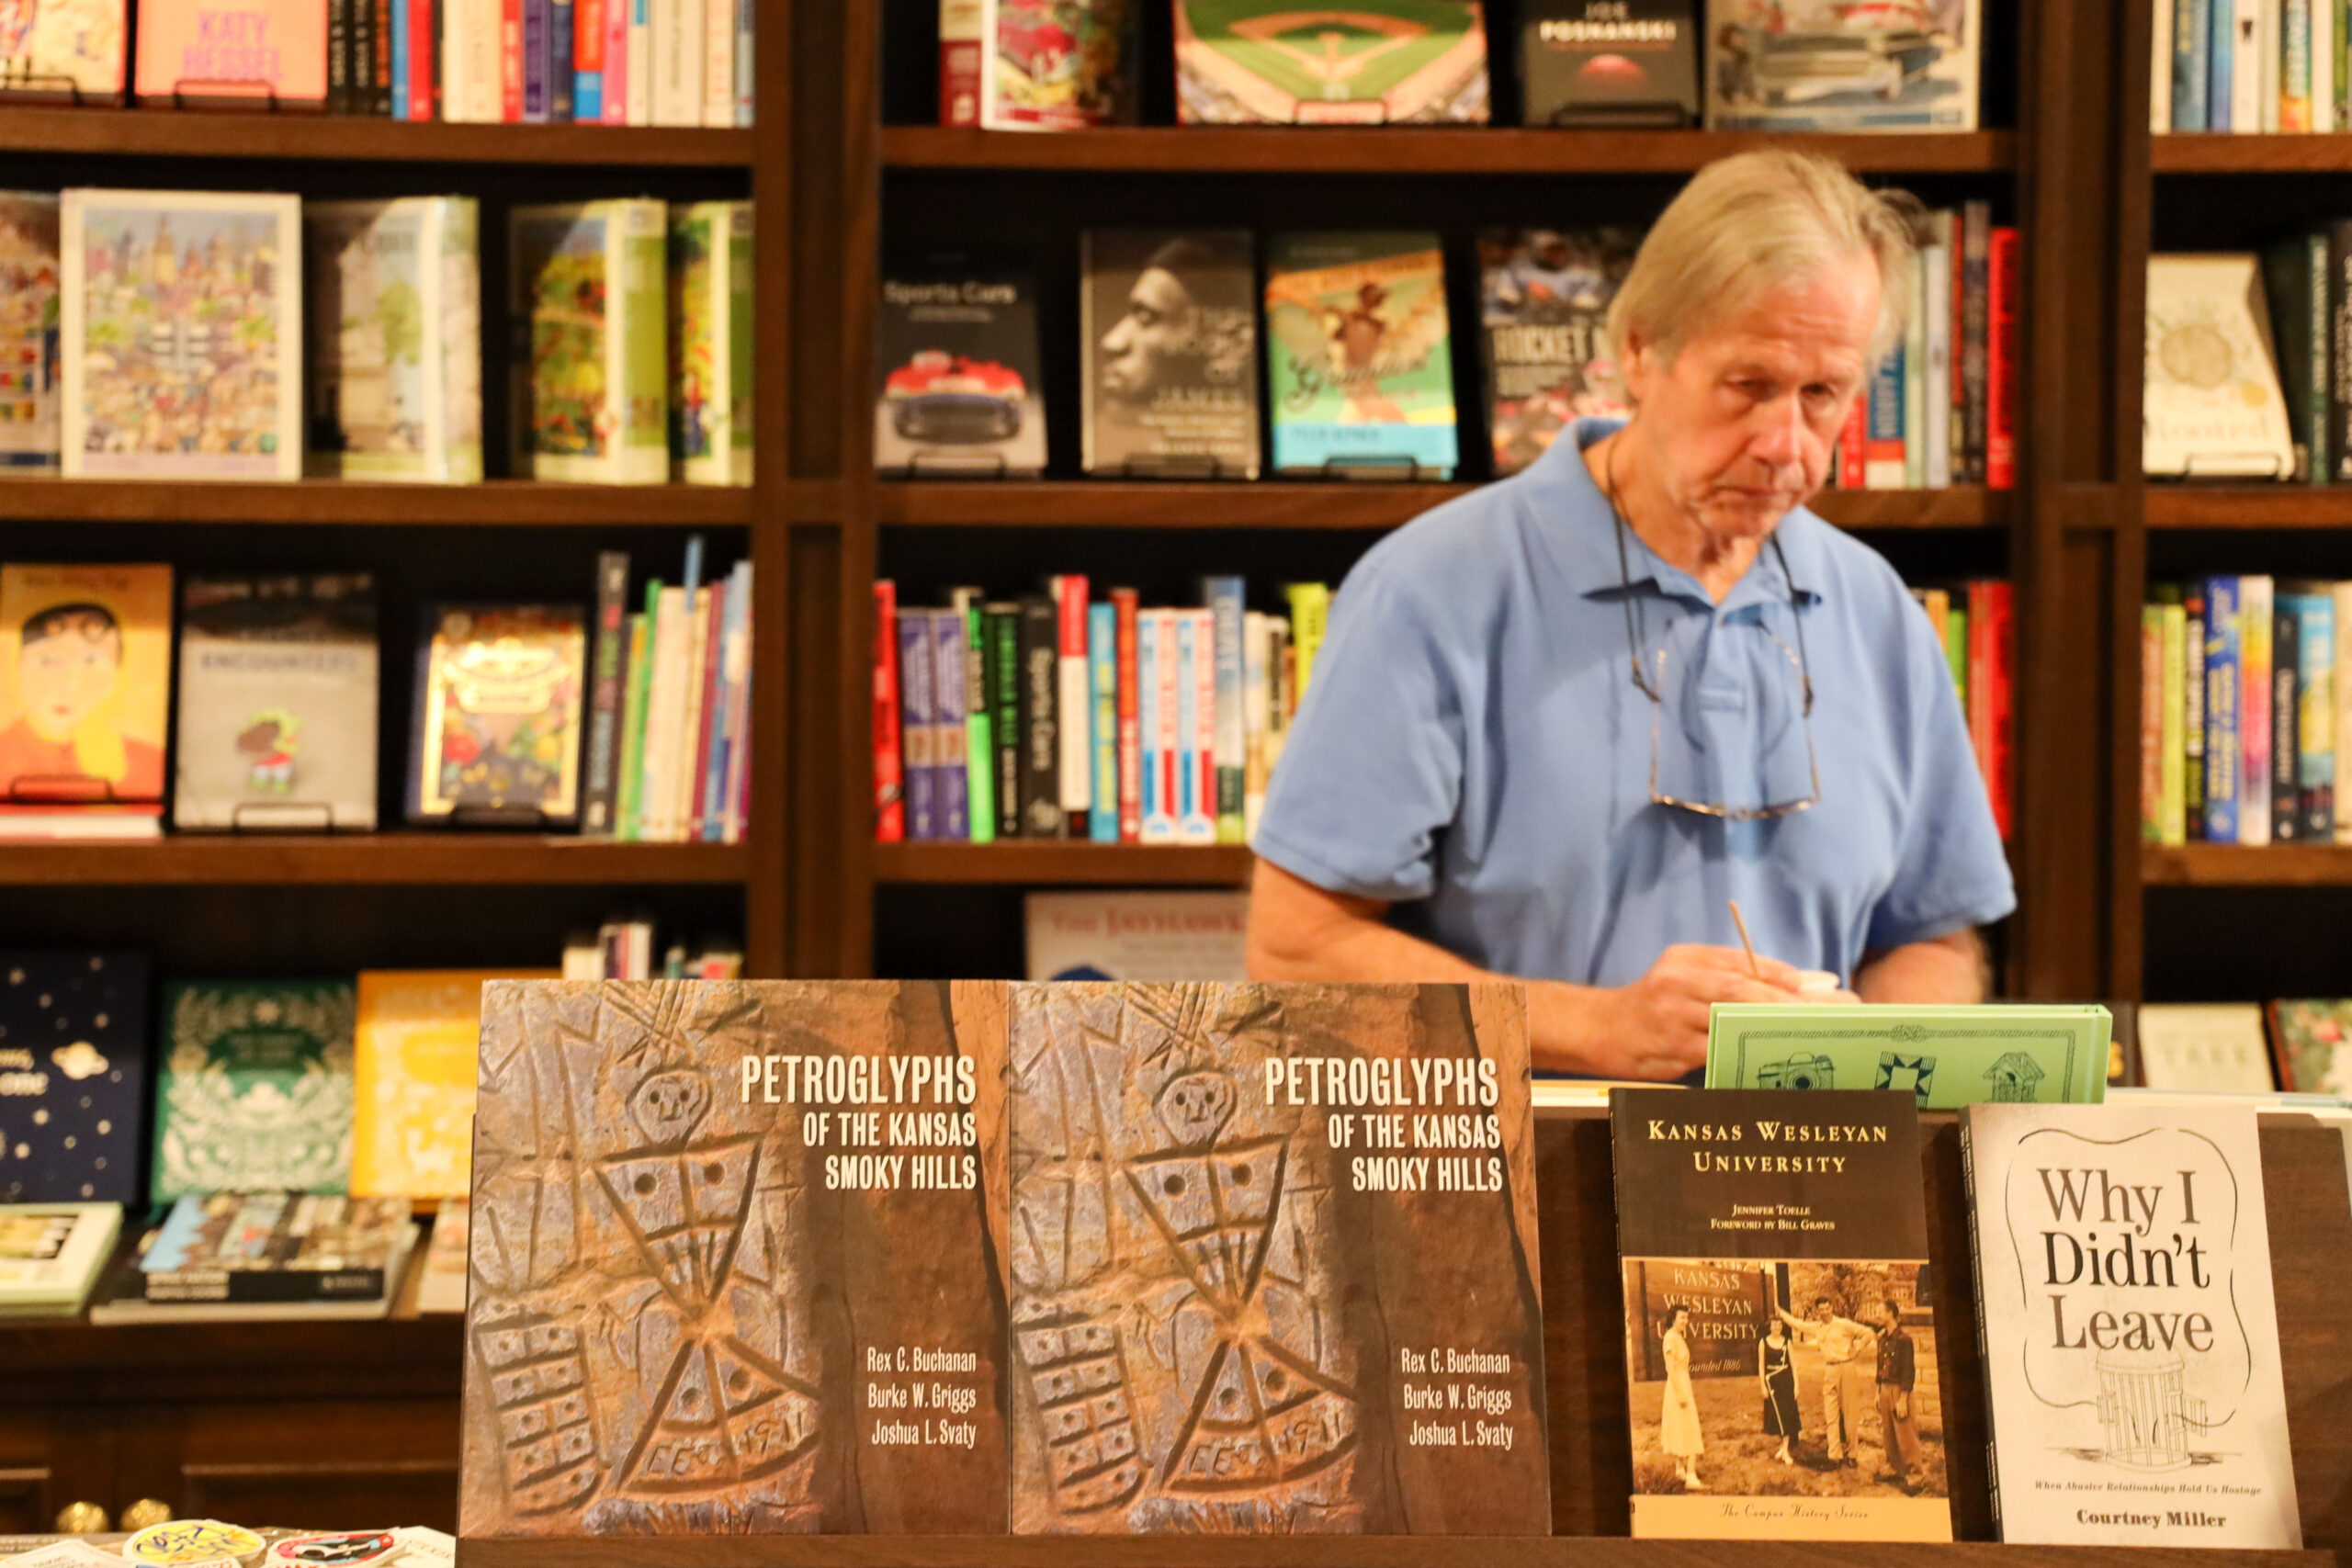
point(423, 61)
point(959, 61)
point(889, 774)
point(706, 725)
point(510, 62)
point(1123, 602)
point(2001, 363)
point(1851, 442)
point(588, 37)
point(2001, 651)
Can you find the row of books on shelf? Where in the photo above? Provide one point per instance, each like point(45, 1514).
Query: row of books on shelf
point(2288, 1045)
point(678, 63)
point(188, 335)
point(515, 720)
point(1060, 715)
point(1357, 356)
point(2244, 685)
point(1076, 64)
point(2250, 65)
point(2249, 362)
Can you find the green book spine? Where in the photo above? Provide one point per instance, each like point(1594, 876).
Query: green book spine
point(980, 728)
point(739, 345)
point(640, 685)
point(1956, 647)
point(1005, 701)
point(643, 337)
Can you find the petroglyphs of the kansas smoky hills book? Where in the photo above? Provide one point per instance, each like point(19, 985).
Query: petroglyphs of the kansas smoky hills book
point(731, 1260)
point(1273, 1261)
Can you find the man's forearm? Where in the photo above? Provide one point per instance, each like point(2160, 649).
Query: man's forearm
point(1948, 969)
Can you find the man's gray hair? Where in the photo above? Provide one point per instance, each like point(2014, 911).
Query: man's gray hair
point(1756, 222)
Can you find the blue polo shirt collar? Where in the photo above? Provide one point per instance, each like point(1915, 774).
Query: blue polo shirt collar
point(1568, 502)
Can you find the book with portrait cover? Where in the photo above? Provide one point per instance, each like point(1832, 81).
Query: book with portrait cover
point(1168, 329)
point(255, 1088)
point(710, 342)
point(2130, 1335)
point(29, 328)
point(1377, 62)
point(70, 51)
point(183, 335)
point(1834, 65)
point(589, 359)
point(500, 692)
point(72, 1075)
point(1057, 65)
point(1359, 368)
point(196, 50)
point(416, 1039)
point(1543, 296)
point(393, 371)
point(960, 389)
point(733, 1260)
point(1780, 1316)
point(85, 673)
point(276, 703)
point(1273, 1261)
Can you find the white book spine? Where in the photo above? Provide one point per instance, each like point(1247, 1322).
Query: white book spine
point(689, 748)
point(718, 63)
point(2245, 68)
point(2326, 62)
point(2270, 43)
point(2160, 68)
point(486, 68)
point(1199, 826)
point(1257, 712)
point(677, 62)
point(452, 104)
point(1936, 302)
point(664, 715)
point(640, 61)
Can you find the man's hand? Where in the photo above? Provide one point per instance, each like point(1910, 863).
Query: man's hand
point(1657, 1027)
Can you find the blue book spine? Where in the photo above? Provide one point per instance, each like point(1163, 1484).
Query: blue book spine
point(1103, 703)
point(2192, 22)
point(2315, 780)
point(587, 96)
point(917, 718)
point(2222, 710)
point(559, 75)
point(2221, 29)
point(953, 705)
point(1153, 807)
point(399, 59)
point(733, 698)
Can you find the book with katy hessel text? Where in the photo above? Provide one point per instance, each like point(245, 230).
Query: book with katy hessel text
point(731, 1266)
point(1781, 1365)
point(1273, 1261)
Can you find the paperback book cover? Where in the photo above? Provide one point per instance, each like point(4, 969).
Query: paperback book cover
point(196, 50)
point(1374, 62)
point(1780, 1316)
point(1608, 62)
point(2130, 1335)
point(1358, 366)
point(2203, 1048)
point(50, 1254)
point(590, 361)
point(255, 1088)
point(276, 703)
point(183, 334)
point(269, 1246)
point(710, 342)
point(72, 1075)
point(957, 349)
point(1836, 66)
point(30, 337)
point(2026, 1053)
point(68, 49)
point(1543, 296)
point(1273, 1261)
point(84, 672)
point(1057, 65)
point(2313, 1039)
point(1169, 326)
point(394, 351)
point(418, 1034)
point(1137, 934)
point(2213, 406)
point(733, 1260)
point(499, 697)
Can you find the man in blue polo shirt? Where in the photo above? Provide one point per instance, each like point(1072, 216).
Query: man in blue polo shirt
point(1558, 724)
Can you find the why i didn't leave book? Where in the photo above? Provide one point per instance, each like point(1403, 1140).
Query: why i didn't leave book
point(2131, 1334)
point(1780, 1316)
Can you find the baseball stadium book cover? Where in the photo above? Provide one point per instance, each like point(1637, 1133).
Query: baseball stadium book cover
point(957, 361)
point(1273, 1261)
point(1169, 325)
point(1367, 62)
point(2131, 1334)
point(1780, 1316)
point(1359, 355)
point(733, 1262)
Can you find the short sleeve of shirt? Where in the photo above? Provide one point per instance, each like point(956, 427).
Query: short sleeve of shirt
point(1951, 871)
point(1372, 769)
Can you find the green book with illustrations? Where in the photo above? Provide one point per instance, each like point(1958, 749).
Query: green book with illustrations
point(2028, 1053)
point(256, 1088)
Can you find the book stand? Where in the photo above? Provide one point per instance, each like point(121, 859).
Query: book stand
point(1374, 466)
point(281, 817)
point(506, 819)
point(1173, 466)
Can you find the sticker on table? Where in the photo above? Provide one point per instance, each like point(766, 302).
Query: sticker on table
point(355, 1550)
point(191, 1543)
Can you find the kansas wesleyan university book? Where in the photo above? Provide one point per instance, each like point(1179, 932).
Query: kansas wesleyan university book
point(1273, 1261)
point(1780, 1316)
point(2130, 1336)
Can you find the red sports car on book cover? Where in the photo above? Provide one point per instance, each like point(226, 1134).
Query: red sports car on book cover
point(938, 396)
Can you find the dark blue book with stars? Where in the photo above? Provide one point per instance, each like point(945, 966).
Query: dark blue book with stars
point(72, 1075)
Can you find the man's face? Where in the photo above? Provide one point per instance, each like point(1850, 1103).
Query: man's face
point(67, 673)
point(1821, 1312)
point(1136, 349)
point(1745, 416)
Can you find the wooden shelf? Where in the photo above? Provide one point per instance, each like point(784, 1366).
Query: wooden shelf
point(521, 503)
point(380, 860)
point(2236, 865)
point(2221, 153)
point(2249, 506)
point(1017, 864)
point(75, 1362)
point(1306, 503)
point(1376, 150)
point(191, 133)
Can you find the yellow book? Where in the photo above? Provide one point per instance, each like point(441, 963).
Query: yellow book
point(419, 1032)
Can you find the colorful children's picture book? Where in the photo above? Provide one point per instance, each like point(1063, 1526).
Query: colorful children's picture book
point(29, 330)
point(590, 372)
point(84, 671)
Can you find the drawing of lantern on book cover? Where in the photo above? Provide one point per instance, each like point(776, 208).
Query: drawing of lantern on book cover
point(183, 327)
